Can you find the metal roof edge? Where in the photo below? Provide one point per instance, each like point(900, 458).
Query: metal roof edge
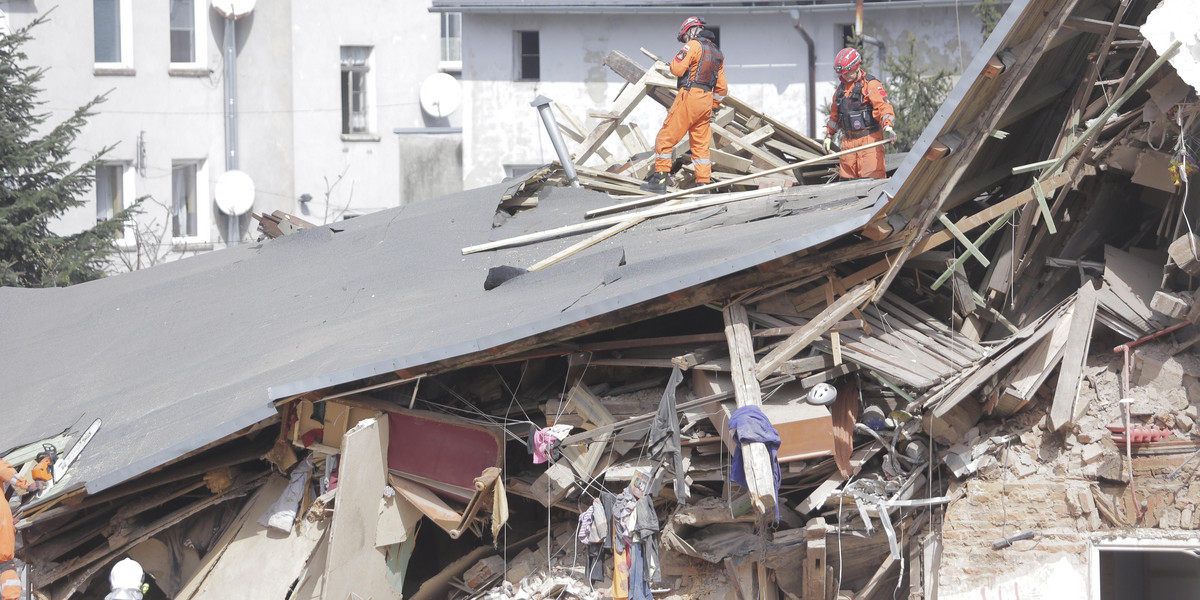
point(167, 455)
point(971, 74)
point(285, 390)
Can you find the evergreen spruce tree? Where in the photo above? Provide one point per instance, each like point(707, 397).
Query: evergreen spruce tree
point(38, 183)
point(915, 94)
point(989, 15)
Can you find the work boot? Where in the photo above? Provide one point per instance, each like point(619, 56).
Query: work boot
point(656, 183)
point(701, 184)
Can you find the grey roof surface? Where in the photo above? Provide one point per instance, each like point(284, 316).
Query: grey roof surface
point(181, 355)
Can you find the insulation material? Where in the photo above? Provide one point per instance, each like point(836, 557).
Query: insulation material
point(1177, 20)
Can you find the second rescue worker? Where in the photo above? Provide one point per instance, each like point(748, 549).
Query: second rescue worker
point(699, 65)
point(860, 109)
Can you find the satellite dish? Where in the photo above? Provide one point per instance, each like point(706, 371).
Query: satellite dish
point(234, 192)
point(441, 95)
point(233, 9)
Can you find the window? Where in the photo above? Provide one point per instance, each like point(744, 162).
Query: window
point(529, 63)
point(356, 71)
point(189, 206)
point(113, 41)
point(187, 47)
point(844, 33)
point(110, 191)
point(452, 41)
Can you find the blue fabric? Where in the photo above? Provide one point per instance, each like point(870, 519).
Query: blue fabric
point(639, 584)
point(749, 424)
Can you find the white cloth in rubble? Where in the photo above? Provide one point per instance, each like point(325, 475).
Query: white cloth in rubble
point(125, 580)
point(282, 514)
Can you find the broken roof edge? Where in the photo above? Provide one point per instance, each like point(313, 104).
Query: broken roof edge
point(991, 46)
point(587, 311)
point(180, 450)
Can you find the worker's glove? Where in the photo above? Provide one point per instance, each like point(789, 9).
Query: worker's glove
point(890, 132)
point(828, 145)
point(36, 486)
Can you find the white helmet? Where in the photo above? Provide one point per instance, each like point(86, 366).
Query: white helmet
point(822, 394)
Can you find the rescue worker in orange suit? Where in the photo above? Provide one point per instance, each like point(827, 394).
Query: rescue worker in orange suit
point(699, 65)
point(10, 581)
point(860, 109)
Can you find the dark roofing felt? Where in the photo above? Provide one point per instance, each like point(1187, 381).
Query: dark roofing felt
point(184, 354)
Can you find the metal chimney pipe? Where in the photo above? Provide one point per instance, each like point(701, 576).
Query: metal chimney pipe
point(542, 103)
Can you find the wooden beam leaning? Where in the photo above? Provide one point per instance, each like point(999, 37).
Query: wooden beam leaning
point(757, 460)
point(814, 560)
point(1074, 360)
point(814, 328)
point(625, 104)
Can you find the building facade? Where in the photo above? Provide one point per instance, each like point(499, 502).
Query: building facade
point(515, 51)
point(318, 96)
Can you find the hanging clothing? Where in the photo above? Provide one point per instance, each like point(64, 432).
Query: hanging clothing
point(646, 530)
point(595, 562)
point(585, 526)
point(599, 531)
point(545, 442)
point(664, 435)
point(639, 583)
point(749, 424)
point(623, 508)
point(608, 501)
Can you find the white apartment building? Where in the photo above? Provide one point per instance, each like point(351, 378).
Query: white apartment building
point(514, 51)
point(326, 109)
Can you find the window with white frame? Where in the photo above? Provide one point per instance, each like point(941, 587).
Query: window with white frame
point(110, 191)
point(356, 82)
point(187, 37)
point(189, 207)
point(528, 55)
point(113, 42)
point(451, 41)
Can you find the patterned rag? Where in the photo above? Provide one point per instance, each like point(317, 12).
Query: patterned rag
point(749, 424)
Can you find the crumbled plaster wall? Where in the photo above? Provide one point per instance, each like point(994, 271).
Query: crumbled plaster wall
point(1072, 486)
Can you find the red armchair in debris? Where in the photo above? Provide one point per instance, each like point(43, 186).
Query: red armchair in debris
point(1138, 434)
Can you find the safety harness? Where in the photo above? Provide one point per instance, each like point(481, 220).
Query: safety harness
point(855, 116)
point(708, 69)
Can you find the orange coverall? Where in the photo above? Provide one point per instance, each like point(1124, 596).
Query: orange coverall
point(868, 163)
point(10, 582)
point(689, 114)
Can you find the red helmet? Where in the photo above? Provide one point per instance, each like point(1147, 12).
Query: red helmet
point(847, 61)
point(689, 23)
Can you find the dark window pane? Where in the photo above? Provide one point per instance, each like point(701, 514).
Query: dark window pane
point(530, 67)
point(181, 47)
point(345, 102)
point(183, 31)
point(106, 15)
point(529, 55)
